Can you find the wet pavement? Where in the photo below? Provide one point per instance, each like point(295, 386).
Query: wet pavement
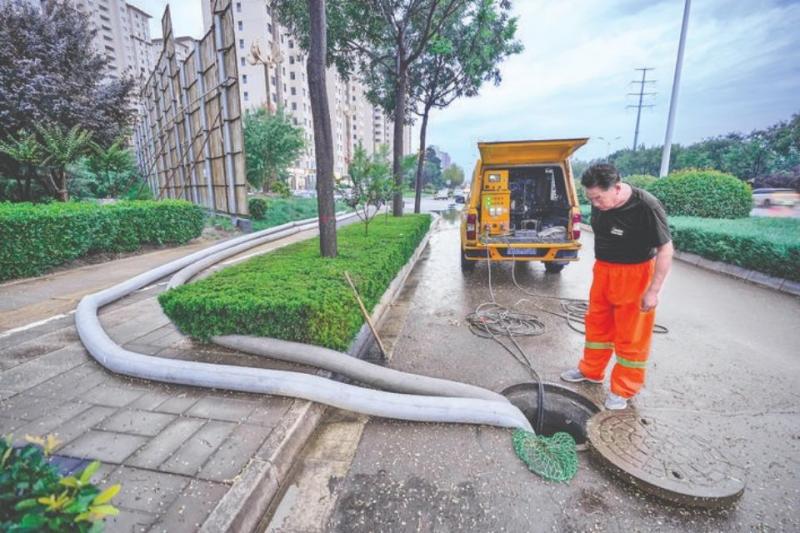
point(726, 374)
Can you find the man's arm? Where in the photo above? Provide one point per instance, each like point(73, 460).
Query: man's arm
point(663, 264)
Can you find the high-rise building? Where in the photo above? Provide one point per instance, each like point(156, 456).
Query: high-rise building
point(183, 47)
point(272, 74)
point(123, 36)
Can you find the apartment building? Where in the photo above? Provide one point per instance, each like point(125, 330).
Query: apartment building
point(183, 47)
point(123, 36)
point(272, 74)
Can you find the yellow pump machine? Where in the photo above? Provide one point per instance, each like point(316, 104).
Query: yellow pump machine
point(522, 204)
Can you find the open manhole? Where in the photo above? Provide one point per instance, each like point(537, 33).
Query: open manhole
point(664, 459)
point(564, 409)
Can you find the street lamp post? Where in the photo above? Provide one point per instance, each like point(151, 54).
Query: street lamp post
point(673, 101)
point(256, 58)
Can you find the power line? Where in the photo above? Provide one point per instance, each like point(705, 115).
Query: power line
point(641, 94)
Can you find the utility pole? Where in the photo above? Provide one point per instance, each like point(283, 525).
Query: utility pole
point(641, 94)
point(673, 101)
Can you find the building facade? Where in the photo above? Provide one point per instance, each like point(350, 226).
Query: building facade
point(123, 36)
point(272, 74)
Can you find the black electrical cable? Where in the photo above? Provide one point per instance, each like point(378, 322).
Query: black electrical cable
point(491, 320)
point(573, 310)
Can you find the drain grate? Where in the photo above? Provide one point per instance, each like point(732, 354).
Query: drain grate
point(663, 459)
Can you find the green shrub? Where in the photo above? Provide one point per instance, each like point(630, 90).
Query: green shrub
point(640, 181)
point(703, 193)
point(38, 237)
point(768, 245)
point(34, 496)
point(257, 207)
point(292, 293)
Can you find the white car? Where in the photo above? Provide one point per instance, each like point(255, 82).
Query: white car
point(442, 194)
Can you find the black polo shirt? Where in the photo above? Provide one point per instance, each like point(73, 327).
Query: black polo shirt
point(631, 232)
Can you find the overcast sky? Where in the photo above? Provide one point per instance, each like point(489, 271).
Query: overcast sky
point(741, 72)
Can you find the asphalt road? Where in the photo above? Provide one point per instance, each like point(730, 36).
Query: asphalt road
point(726, 372)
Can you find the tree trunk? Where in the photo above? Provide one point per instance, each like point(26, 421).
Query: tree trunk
point(420, 161)
point(399, 117)
point(63, 195)
point(323, 138)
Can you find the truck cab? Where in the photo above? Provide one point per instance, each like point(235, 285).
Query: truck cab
point(522, 204)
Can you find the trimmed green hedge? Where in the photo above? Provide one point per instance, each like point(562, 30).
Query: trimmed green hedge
point(768, 245)
point(38, 237)
point(293, 293)
point(642, 181)
point(703, 193)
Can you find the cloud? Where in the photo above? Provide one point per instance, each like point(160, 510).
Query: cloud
point(741, 71)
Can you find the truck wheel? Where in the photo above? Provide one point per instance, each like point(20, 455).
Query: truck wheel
point(554, 268)
point(466, 265)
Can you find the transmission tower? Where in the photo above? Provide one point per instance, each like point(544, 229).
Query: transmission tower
point(641, 94)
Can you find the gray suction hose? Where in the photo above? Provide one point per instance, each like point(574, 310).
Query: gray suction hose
point(342, 363)
point(256, 380)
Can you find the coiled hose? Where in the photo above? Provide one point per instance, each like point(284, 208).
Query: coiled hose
point(428, 407)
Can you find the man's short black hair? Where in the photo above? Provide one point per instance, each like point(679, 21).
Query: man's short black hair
point(602, 175)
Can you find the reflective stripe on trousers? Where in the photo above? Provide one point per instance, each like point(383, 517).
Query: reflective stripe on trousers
point(615, 322)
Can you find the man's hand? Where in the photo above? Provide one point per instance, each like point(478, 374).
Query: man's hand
point(649, 300)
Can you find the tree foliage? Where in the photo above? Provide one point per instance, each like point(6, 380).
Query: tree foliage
point(432, 169)
point(454, 175)
point(465, 54)
point(770, 155)
point(52, 74)
point(271, 144)
point(379, 36)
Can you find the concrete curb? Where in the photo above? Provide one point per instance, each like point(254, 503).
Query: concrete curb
point(753, 276)
point(262, 480)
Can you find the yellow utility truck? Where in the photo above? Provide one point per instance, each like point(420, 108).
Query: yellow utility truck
point(522, 205)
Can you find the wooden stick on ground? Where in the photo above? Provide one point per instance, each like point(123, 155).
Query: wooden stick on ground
point(366, 315)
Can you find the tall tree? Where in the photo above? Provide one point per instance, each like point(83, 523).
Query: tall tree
point(323, 138)
point(271, 144)
point(453, 175)
point(52, 74)
point(380, 36)
point(458, 60)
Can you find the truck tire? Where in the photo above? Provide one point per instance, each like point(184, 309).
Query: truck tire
point(554, 268)
point(466, 264)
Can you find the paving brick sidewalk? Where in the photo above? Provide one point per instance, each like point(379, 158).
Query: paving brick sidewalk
point(177, 451)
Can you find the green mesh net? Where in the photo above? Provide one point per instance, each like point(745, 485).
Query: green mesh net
point(554, 458)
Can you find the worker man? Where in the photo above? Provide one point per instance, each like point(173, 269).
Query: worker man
point(633, 255)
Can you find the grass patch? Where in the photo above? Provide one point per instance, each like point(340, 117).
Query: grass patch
point(293, 293)
point(282, 210)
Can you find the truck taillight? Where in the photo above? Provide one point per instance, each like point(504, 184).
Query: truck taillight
point(472, 220)
point(576, 226)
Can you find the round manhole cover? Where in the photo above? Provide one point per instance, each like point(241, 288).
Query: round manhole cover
point(663, 459)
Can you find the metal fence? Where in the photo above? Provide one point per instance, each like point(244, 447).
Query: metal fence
point(188, 138)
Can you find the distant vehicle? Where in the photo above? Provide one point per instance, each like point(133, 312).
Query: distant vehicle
point(459, 198)
point(768, 197)
point(441, 194)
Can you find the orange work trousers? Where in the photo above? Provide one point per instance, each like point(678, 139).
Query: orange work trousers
point(615, 322)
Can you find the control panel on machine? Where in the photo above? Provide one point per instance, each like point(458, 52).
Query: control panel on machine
point(496, 202)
